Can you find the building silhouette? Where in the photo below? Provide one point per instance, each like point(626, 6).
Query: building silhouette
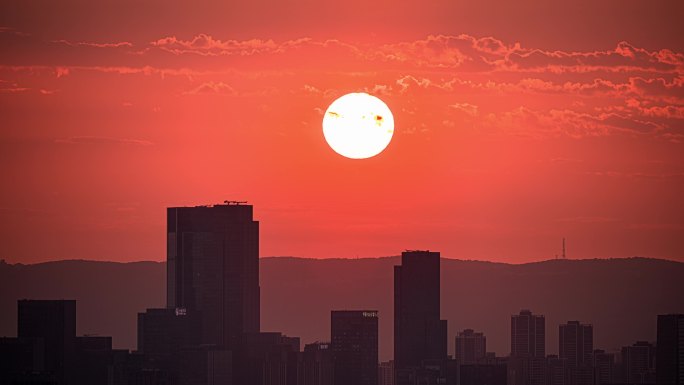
point(576, 345)
point(213, 269)
point(638, 363)
point(53, 323)
point(318, 364)
point(528, 335)
point(386, 373)
point(354, 344)
point(48, 352)
point(20, 355)
point(604, 367)
point(670, 349)
point(471, 347)
point(419, 334)
point(163, 334)
point(267, 358)
point(528, 349)
point(482, 374)
point(556, 370)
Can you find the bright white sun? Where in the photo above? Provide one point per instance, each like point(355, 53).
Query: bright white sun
point(358, 125)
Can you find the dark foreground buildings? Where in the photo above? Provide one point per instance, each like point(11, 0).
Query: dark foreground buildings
point(471, 347)
point(528, 349)
point(53, 323)
point(670, 349)
point(209, 332)
point(420, 336)
point(354, 342)
point(576, 346)
point(47, 351)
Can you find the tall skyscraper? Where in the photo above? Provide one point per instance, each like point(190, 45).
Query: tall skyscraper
point(354, 344)
point(528, 348)
point(528, 335)
point(419, 334)
point(470, 347)
point(213, 269)
point(670, 349)
point(53, 322)
point(576, 343)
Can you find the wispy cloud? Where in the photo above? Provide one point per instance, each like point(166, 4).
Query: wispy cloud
point(103, 140)
point(588, 219)
point(93, 44)
point(212, 88)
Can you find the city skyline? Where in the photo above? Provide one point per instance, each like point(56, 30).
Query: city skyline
point(210, 333)
point(285, 279)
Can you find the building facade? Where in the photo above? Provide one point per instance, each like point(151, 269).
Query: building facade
point(53, 322)
point(576, 345)
point(638, 363)
point(213, 269)
point(670, 349)
point(528, 349)
point(354, 344)
point(471, 347)
point(419, 334)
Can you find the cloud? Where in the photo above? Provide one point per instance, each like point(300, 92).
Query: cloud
point(91, 44)
point(565, 160)
point(467, 108)
point(13, 90)
point(102, 140)
point(636, 175)
point(510, 88)
point(213, 88)
point(656, 226)
point(61, 71)
point(207, 45)
point(523, 121)
point(588, 219)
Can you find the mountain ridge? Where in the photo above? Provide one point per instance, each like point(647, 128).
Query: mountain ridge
point(620, 296)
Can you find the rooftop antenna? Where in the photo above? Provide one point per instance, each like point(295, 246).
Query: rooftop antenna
point(564, 256)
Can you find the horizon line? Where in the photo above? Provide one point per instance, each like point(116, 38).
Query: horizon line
point(6, 261)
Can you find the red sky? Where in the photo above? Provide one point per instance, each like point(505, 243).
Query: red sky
point(517, 124)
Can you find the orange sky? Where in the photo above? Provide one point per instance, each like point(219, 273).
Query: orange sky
point(517, 123)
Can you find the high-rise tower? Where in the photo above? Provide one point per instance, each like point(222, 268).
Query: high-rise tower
point(419, 334)
point(528, 348)
point(576, 343)
point(528, 335)
point(213, 269)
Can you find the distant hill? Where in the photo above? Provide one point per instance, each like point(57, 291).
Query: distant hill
point(621, 297)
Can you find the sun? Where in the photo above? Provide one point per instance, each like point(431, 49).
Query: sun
point(358, 125)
